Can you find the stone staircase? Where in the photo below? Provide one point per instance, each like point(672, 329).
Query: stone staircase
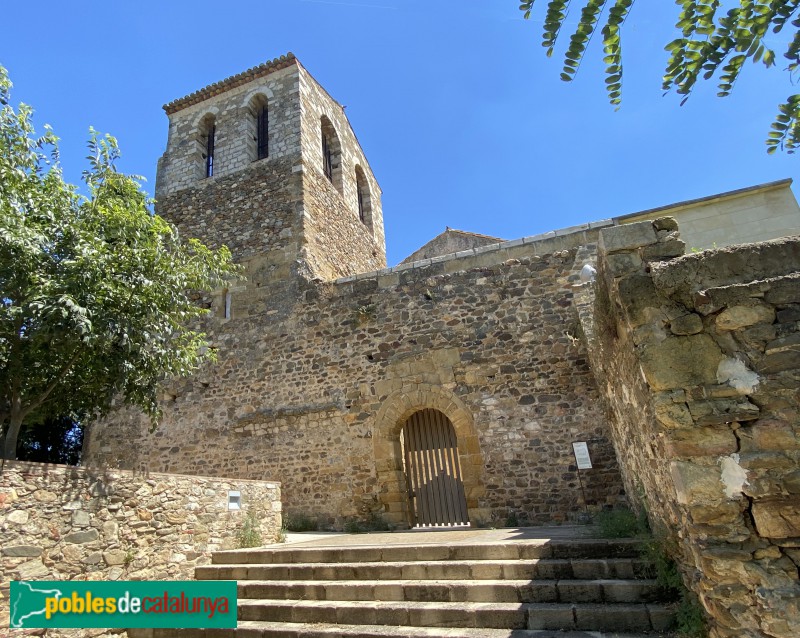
point(532, 588)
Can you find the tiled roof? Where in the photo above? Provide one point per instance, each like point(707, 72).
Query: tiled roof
point(232, 82)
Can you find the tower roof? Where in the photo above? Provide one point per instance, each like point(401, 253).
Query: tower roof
point(231, 82)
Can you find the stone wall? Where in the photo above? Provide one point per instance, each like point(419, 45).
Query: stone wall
point(280, 216)
point(252, 212)
point(318, 396)
point(69, 523)
point(697, 358)
point(183, 166)
point(338, 243)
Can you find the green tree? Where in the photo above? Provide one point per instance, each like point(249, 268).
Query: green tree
point(709, 42)
point(95, 291)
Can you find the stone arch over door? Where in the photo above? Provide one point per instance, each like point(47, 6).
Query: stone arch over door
point(389, 421)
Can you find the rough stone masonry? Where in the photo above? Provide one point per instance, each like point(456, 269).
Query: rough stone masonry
point(322, 356)
point(679, 372)
point(71, 523)
point(698, 361)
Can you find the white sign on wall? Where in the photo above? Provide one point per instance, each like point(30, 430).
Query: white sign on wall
point(582, 455)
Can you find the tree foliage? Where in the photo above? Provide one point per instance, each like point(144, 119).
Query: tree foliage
point(94, 290)
point(710, 41)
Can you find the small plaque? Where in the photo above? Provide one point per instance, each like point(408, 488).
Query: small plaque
point(582, 455)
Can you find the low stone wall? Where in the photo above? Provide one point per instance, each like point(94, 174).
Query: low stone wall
point(69, 523)
point(698, 360)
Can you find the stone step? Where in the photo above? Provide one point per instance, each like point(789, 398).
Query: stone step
point(501, 591)
point(251, 629)
point(551, 569)
point(542, 548)
point(589, 617)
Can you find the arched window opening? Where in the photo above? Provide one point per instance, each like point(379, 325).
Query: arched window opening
point(327, 160)
point(259, 120)
point(208, 131)
point(262, 137)
point(364, 197)
point(331, 153)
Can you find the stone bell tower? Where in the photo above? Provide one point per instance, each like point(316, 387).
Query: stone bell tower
point(266, 163)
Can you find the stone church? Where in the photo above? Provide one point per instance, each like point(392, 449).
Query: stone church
point(446, 390)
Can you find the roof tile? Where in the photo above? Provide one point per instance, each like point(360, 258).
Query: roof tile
point(231, 82)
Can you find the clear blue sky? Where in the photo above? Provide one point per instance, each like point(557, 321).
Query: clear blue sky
point(461, 115)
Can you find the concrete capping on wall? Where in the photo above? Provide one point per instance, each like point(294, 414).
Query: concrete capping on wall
point(59, 522)
point(542, 244)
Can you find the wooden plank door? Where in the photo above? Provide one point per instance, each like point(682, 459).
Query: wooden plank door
point(433, 471)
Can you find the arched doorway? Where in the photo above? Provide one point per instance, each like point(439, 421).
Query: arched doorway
point(433, 471)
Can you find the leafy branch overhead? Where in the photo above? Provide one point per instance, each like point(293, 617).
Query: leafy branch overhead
point(94, 291)
point(710, 42)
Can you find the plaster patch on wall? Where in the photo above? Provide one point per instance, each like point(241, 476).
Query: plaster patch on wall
point(733, 476)
point(736, 374)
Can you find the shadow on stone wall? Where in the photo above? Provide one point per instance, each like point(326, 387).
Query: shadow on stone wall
point(698, 361)
point(60, 522)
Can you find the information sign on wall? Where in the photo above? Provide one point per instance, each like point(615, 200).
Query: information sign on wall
point(582, 455)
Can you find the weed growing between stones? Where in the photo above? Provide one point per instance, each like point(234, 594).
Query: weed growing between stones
point(281, 537)
point(689, 617)
point(365, 314)
point(300, 523)
point(664, 570)
point(623, 523)
point(690, 620)
point(250, 535)
point(374, 523)
point(354, 527)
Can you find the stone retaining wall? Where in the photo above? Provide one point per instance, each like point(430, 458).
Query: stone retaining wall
point(698, 359)
point(69, 523)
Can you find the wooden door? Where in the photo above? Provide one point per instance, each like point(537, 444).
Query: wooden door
point(433, 472)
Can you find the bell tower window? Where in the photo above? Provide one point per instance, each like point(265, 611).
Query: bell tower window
point(331, 153)
point(208, 132)
point(327, 160)
point(364, 198)
point(210, 151)
point(258, 108)
point(262, 137)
